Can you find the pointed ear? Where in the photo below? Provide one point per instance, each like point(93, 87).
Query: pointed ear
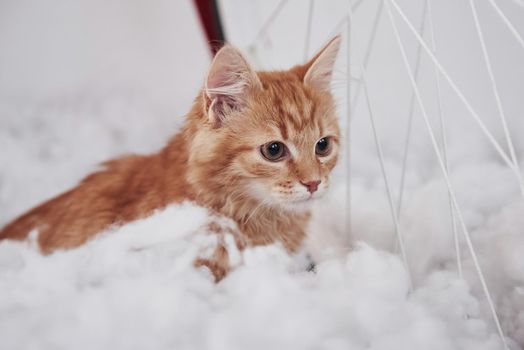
point(228, 83)
point(320, 67)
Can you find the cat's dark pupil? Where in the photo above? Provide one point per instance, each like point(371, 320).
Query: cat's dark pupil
point(274, 149)
point(322, 144)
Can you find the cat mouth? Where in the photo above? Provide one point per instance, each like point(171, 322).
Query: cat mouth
point(301, 200)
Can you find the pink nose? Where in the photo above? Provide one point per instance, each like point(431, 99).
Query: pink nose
point(312, 186)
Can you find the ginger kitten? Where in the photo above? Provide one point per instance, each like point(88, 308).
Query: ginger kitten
point(256, 147)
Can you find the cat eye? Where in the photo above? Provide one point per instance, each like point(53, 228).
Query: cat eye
point(323, 147)
point(273, 151)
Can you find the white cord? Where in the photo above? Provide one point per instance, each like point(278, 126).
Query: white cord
point(506, 21)
point(445, 173)
point(369, 48)
point(410, 118)
point(263, 29)
point(444, 141)
point(348, 128)
point(381, 160)
point(455, 88)
point(495, 89)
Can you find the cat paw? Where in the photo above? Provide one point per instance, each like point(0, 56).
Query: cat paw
point(223, 249)
point(218, 263)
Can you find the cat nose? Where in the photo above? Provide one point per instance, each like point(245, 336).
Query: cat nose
point(312, 186)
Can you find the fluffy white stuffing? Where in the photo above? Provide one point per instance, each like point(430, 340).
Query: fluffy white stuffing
point(136, 288)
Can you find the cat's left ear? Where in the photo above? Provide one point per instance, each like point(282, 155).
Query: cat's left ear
point(320, 67)
point(228, 83)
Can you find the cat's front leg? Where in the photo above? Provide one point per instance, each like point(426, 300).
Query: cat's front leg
point(223, 250)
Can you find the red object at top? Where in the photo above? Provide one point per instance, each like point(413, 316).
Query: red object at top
point(210, 18)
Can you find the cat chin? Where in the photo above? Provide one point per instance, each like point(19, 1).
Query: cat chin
point(298, 206)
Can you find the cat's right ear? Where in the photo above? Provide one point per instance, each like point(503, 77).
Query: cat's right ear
point(228, 83)
point(320, 67)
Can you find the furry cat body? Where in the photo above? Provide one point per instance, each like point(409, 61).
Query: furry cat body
point(217, 161)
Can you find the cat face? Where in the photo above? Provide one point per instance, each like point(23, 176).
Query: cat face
point(289, 139)
point(268, 136)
